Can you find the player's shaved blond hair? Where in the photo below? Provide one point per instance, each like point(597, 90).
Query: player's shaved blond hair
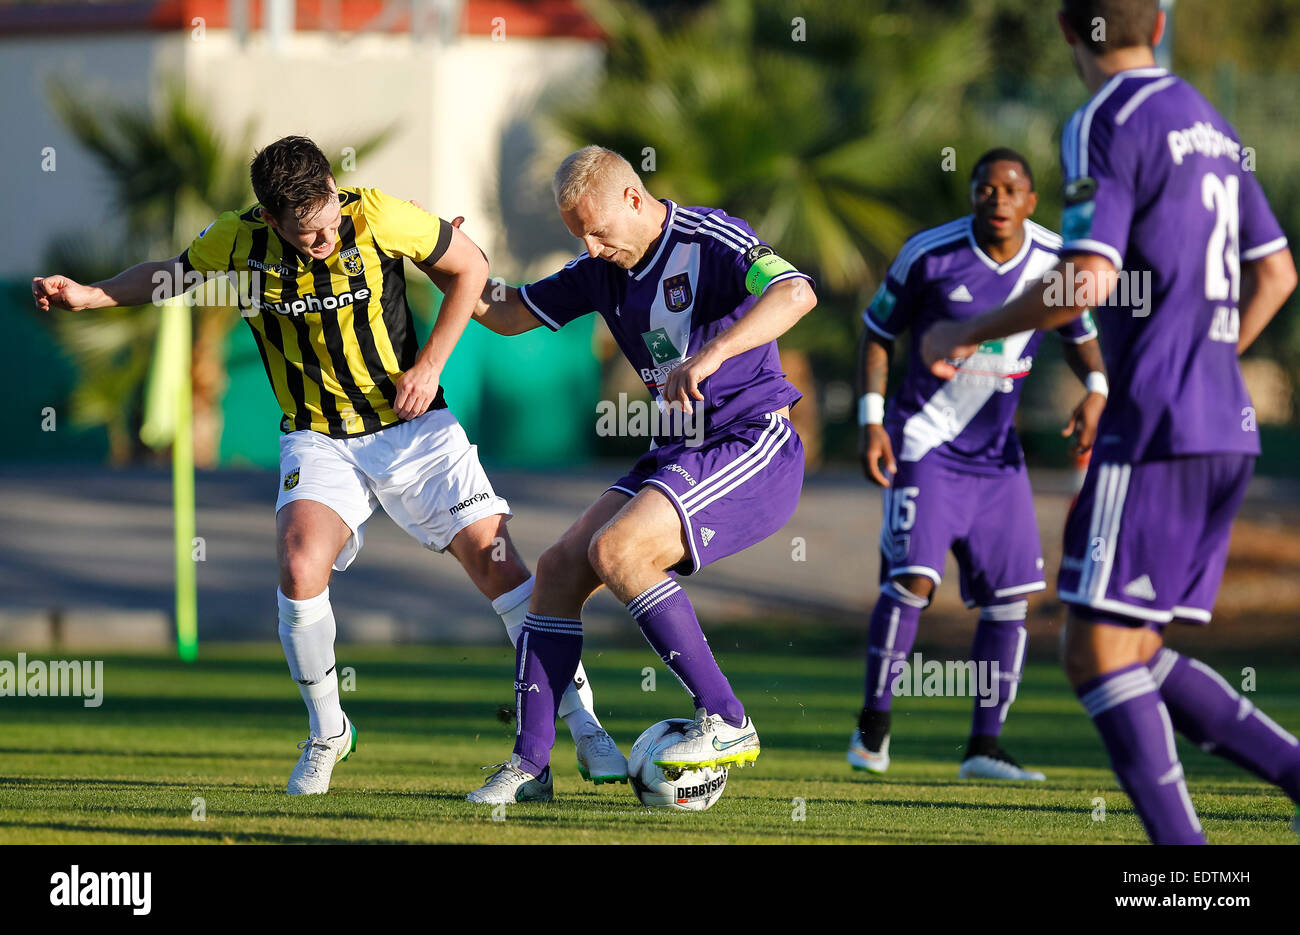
point(593, 170)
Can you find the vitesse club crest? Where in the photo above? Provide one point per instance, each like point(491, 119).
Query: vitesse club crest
point(291, 479)
point(351, 259)
point(661, 346)
point(677, 292)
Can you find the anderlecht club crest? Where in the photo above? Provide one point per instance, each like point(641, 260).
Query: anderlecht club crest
point(677, 292)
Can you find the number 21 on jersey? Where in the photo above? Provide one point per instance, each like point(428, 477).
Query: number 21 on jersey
point(1223, 256)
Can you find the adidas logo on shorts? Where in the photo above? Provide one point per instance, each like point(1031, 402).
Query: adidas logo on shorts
point(706, 534)
point(1141, 587)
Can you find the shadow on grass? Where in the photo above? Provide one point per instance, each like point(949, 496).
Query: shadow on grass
point(197, 835)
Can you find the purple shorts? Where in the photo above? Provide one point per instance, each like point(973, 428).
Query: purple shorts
point(987, 520)
point(736, 489)
point(1148, 542)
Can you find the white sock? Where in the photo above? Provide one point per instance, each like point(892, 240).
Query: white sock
point(577, 704)
point(323, 709)
point(307, 634)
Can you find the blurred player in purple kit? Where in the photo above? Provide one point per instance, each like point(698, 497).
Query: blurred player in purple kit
point(1155, 191)
point(696, 302)
point(957, 476)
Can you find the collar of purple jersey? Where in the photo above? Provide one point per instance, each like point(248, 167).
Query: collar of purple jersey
point(650, 259)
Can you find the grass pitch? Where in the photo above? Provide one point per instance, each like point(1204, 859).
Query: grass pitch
point(217, 739)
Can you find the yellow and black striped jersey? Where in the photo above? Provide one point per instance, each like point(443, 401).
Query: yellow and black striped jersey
point(334, 334)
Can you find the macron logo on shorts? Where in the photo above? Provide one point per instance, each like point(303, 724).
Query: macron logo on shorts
point(477, 498)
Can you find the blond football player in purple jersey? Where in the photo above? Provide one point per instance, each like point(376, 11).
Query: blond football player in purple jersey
point(695, 301)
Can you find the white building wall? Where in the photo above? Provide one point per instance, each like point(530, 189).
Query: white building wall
point(75, 195)
point(448, 106)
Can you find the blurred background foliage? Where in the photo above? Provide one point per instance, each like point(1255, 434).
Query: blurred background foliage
point(836, 129)
point(826, 126)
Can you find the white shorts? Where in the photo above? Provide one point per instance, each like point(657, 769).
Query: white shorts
point(424, 473)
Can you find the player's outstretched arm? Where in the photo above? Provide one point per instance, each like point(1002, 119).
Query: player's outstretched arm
point(874, 445)
point(146, 282)
point(501, 309)
point(1038, 308)
point(498, 308)
point(460, 272)
point(1085, 360)
point(783, 304)
point(1266, 283)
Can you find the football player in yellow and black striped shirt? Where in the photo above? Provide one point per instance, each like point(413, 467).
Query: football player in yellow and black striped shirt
point(320, 270)
point(335, 332)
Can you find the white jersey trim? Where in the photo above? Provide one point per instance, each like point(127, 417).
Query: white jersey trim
point(1044, 235)
point(1078, 165)
point(923, 243)
point(1085, 245)
point(1263, 250)
point(663, 241)
point(546, 319)
point(1138, 99)
point(1025, 247)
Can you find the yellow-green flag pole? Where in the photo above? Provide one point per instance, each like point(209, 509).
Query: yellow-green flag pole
point(169, 417)
point(187, 597)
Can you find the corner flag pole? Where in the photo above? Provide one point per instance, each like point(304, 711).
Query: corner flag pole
point(169, 419)
point(187, 598)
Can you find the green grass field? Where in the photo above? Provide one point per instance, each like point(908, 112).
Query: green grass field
point(225, 730)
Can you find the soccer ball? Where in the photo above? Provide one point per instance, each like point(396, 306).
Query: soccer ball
point(690, 790)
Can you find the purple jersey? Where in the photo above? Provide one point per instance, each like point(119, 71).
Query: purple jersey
point(1155, 183)
point(689, 287)
point(942, 273)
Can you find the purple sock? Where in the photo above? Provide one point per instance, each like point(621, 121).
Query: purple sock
point(546, 658)
point(670, 626)
point(1209, 713)
point(1134, 724)
point(999, 642)
point(889, 640)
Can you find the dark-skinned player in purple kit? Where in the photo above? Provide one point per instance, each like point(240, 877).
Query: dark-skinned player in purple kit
point(956, 473)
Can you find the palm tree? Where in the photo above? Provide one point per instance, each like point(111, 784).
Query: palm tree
point(826, 142)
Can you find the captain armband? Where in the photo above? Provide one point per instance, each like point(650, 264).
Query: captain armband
point(764, 267)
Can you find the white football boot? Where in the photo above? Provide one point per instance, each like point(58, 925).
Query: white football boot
point(998, 766)
point(599, 759)
point(319, 755)
point(711, 742)
point(872, 761)
point(511, 784)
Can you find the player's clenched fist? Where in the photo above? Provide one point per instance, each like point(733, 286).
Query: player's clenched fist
point(683, 383)
point(60, 292)
point(873, 447)
point(415, 391)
